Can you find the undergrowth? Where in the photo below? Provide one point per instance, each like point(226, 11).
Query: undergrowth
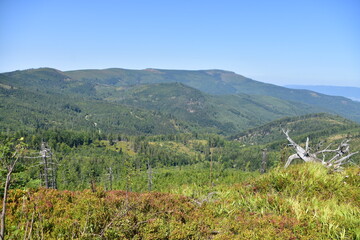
point(305, 201)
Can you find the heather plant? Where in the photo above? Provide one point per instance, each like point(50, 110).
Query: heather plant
point(305, 201)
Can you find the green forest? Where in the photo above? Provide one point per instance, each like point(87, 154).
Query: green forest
point(176, 186)
point(125, 154)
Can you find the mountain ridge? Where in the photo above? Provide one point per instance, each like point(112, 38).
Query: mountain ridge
point(230, 102)
point(190, 104)
point(309, 125)
point(352, 93)
point(221, 82)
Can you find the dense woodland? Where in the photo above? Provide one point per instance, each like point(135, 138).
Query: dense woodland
point(100, 157)
point(207, 183)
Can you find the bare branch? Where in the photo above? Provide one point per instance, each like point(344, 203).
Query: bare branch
point(334, 162)
point(291, 158)
point(345, 158)
point(325, 149)
point(298, 148)
point(307, 144)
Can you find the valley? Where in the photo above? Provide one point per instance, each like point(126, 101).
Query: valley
point(172, 154)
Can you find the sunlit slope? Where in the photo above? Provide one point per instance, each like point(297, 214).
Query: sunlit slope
point(312, 125)
point(228, 113)
point(22, 109)
point(213, 101)
point(219, 82)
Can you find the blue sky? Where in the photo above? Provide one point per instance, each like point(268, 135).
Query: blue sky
point(281, 42)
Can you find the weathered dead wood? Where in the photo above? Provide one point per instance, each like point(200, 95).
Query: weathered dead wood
point(9, 163)
point(341, 154)
point(10, 170)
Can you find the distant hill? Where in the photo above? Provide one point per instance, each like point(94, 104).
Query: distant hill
point(153, 101)
point(311, 125)
point(25, 110)
point(348, 92)
point(219, 82)
point(48, 99)
point(227, 113)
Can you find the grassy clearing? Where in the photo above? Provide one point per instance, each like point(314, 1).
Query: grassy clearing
point(305, 201)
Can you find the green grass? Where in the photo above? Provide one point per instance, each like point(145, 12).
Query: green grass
point(305, 201)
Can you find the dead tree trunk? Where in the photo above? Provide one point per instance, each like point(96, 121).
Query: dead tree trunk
point(110, 178)
point(340, 155)
point(9, 160)
point(264, 160)
point(150, 176)
point(6, 189)
point(49, 172)
point(211, 168)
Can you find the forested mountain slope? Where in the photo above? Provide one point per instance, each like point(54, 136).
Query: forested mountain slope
point(154, 101)
point(219, 82)
point(115, 139)
point(348, 92)
point(225, 112)
point(45, 98)
point(23, 109)
point(210, 81)
point(318, 124)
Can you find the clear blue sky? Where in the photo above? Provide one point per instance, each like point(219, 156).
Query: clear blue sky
point(282, 42)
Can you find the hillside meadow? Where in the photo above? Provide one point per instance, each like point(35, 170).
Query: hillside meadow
point(305, 201)
point(165, 154)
